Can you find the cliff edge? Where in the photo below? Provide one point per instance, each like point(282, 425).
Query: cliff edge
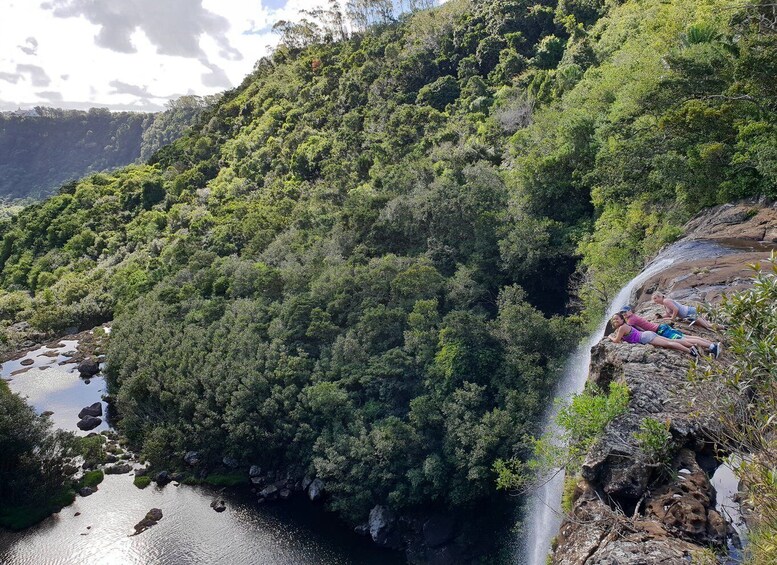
point(631, 506)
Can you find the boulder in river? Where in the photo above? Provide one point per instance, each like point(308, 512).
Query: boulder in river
point(269, 492)
point(95, 409)
point(119, 469)
point(85, 491)
point(218, 505)
point(316, 490)
point(254, 471)
point(88, 367)
point(382, 530)
point(152, 517)
point(27, 362)
point(162, 478)
point(88, 423)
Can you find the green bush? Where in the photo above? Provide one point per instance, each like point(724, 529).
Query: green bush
point(655, 442)
point(581, 423)
point(92, 478)
point(142, 482)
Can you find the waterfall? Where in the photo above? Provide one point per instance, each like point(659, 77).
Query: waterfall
point(543, 515)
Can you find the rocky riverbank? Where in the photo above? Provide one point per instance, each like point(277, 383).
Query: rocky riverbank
point(427, 537)
point(628, 506)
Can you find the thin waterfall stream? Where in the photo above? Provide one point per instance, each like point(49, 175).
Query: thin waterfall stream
point(543, 514)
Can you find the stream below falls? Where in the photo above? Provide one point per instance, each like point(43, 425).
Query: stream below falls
point(292, 532)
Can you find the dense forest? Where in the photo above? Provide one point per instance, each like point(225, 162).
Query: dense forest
point(368, 261)
point(44, 148)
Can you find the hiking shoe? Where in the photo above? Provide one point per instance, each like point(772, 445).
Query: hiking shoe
point(694, 351)
point(718, 349)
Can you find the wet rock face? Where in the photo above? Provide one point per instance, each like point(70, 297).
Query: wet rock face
point(316, 490)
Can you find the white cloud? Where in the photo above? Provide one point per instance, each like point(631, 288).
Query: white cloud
point(203, 53)
point(131, 53)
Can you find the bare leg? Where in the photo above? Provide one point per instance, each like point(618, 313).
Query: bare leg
point(702, 323)
point(690, 340)
point(659, 341)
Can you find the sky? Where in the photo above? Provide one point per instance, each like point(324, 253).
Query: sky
point(131, 54)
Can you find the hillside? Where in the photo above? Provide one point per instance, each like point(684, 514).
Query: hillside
point(358, 266)
point(42, 149)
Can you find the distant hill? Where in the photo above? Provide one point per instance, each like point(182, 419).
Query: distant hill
point(42, 149)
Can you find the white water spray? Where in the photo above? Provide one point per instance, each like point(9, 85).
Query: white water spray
point(543, 515)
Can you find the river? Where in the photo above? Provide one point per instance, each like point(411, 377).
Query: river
point(291, 532)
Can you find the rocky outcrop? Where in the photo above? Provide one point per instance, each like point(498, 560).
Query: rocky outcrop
point(152, 517)
point(88, 423)
point(93, 410)
point(630, 507)
point(382, 527)
point(118, 469)
point(89, 367)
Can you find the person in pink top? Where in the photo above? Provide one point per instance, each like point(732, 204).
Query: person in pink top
point(667, 331)
point(624, 332)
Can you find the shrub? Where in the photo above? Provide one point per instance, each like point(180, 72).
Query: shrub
point(142, 482)
point(580, 424)
point(92, 478)
point(655, 441)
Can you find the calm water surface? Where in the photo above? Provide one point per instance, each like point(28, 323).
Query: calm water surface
point(294, 532)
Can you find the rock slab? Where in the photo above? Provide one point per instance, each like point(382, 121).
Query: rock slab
point(152, 517)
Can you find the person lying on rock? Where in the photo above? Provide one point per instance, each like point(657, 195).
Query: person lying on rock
point(676, 310)
point(624, 332)
point(667, 331)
